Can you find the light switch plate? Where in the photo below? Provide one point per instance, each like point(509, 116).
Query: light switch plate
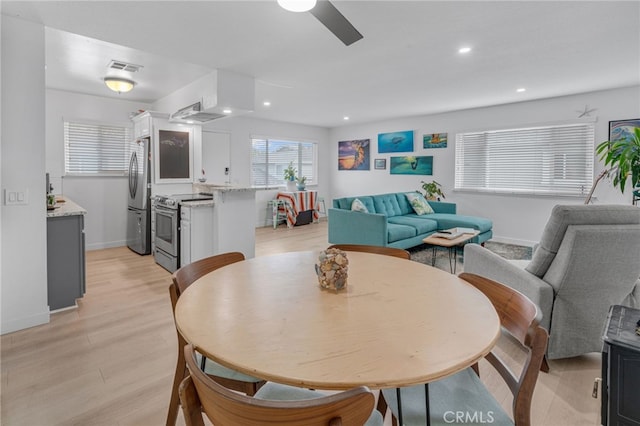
point(16, 197)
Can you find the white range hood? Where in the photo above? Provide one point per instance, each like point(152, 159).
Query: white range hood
point(216, 95)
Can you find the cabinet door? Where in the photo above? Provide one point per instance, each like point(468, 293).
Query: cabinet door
point(65, 261)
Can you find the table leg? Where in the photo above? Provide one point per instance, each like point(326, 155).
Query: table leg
point(399, 407)
point(452, 266)
point(433, 255)
point(426, 403)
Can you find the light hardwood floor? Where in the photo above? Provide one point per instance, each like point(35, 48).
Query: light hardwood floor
point(111, 361)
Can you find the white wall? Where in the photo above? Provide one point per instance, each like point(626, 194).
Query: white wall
point(518, 219)
point(24, 234)
point(243, 128)
point(104, 198)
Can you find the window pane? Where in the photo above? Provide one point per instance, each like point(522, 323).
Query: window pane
point(92, 149)
point(541, 160)
point(270, 157)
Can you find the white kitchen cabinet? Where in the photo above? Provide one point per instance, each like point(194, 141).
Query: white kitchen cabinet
point(142, 125)
point(196, 231)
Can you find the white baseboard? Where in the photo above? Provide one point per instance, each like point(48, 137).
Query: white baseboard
point(507, 240)
point(105, 245)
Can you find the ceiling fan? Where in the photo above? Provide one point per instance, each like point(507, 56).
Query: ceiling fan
point(328, 15)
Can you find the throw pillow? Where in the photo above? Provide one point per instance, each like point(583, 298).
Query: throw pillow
point(358, 206)
point(419, 204)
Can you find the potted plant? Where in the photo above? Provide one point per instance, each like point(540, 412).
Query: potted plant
point(432, 190)
point(290, 177)
point(302, 183)
point(622, 157)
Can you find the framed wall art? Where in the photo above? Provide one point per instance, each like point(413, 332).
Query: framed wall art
point(435, 140)
point(395, 142)
point(354, 155)
point(380, 163)
point(411, 165)
point(621, 129)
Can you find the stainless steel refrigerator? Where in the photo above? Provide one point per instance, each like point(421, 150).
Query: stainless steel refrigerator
point(139, 191)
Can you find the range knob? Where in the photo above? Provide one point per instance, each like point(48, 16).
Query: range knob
point(170, 202)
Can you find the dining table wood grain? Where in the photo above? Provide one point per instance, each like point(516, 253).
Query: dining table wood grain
point(398, 323)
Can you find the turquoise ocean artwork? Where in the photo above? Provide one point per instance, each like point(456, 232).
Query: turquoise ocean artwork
point(395, 142)
point(435, 140)
point(411, 165)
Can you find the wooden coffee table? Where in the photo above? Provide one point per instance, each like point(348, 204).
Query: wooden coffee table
point(451, 244)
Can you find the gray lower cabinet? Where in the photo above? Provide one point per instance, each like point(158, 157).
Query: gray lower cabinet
point(65, 260)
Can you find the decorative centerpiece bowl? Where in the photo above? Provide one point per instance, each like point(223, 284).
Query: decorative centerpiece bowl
point(332, 268)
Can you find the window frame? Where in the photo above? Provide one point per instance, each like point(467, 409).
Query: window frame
point(100, 170)
point(544, 154)
point(278, 179)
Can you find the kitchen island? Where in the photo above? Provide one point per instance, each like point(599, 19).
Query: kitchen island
point(65, 254)
point(233, 217)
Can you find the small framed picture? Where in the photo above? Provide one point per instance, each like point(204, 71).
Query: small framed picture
point(380, 163)
point(621, 129)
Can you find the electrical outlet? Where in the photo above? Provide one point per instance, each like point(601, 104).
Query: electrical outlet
point(16, 197)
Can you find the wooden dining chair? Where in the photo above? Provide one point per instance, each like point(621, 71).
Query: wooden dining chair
point(463, 394)
point(387, 251)
point(199, 393)
point(182, 279)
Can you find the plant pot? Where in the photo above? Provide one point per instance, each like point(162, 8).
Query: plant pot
point(291, 185)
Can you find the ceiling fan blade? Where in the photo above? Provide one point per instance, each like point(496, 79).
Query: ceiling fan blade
point(335, 21)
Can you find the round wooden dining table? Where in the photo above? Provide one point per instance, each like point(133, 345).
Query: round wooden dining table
point(398, 322)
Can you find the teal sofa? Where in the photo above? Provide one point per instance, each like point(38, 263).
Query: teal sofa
point(392, 222)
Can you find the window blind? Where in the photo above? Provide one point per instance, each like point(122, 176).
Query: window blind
point(95, 149)
point(270, 157)
point(549, 160)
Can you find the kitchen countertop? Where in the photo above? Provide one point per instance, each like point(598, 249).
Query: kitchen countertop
point(210, 187)
point(65, 207)
point(197, 203)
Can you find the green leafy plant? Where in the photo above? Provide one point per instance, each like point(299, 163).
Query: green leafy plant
point(622, 157)
point(302, 180)
point(432, 189)
point(290, 172)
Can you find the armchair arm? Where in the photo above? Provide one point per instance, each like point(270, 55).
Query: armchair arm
point(480, 261)
point(352, 227)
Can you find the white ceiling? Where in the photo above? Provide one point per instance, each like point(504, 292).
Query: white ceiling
point(407, 64)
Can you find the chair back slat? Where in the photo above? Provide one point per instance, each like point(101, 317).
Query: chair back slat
point(226, 408)
point(387, 251)
point(518, 316)
point(186, 275)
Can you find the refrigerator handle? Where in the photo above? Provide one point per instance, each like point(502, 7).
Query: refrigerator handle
point(133, 175)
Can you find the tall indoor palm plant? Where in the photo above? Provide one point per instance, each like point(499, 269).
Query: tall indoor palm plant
point(622, 158)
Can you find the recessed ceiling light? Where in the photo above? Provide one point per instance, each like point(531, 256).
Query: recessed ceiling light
point(266, 103)
point(226, 111)
point(345, 117)
point(521, 89)
point(464, 50)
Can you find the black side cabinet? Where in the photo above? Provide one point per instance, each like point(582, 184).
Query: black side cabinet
point(65, 260)
point(621, 368)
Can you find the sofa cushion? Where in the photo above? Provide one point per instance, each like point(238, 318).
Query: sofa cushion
point(387, 204)
point(358, 206)
point(446, 220)
point(564, 215)
point(418, 203)
point(403, 203)
point(420, 223)
point(345, 203)
point(396, 232)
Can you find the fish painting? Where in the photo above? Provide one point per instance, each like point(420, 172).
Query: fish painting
point(395, 142)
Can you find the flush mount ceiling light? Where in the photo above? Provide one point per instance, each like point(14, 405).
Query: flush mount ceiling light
point(120, 85)
point(297, 5)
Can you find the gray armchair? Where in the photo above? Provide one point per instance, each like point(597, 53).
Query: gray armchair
point(588, 259)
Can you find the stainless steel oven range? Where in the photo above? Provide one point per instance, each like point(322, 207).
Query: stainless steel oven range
point(167, 226)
